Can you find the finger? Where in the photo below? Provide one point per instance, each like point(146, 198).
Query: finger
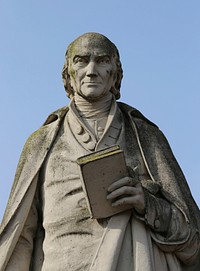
point(126, 181)
point(136, 202)
point(125, 190)
point(132, 200)
point(118, 183)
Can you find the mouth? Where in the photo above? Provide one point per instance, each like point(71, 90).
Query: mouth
point(91, 84)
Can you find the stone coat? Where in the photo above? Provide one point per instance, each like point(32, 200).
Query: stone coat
point(160, 164)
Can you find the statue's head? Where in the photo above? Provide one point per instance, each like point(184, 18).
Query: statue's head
point(92, 67)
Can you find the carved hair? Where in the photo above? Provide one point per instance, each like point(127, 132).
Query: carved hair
point(104, 42)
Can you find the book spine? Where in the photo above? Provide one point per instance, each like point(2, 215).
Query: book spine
point(85, 191)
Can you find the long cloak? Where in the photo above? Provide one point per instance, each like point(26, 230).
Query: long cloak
point(158, 157)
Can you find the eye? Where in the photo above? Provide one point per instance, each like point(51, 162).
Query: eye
point(80, 60)
point(103, 60)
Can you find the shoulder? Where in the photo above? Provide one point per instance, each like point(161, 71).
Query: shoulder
point(45, 134)
point(135, 114)
point(39, 142)
point(148, 131)
point(54, 117)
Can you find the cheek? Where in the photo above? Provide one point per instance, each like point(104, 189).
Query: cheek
point(109, 73)
point(77, 76)
point(111, 70)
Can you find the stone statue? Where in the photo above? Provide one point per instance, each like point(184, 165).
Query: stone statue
point(46, 225)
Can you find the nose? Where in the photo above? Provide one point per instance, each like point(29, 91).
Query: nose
point(91, 69)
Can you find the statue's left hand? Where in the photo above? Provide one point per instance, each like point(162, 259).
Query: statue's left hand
point(124, 191)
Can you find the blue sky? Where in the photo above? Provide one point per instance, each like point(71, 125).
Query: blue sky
point(159, 44)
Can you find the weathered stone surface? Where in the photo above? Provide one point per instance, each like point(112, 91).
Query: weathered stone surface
point(47, 225)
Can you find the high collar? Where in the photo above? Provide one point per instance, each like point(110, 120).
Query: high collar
point(85, 136)
point(93, 109)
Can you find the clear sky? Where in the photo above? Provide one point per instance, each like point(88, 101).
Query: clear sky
point(159, 44)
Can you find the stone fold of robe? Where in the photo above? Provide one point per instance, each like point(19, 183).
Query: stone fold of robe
point(160, 163)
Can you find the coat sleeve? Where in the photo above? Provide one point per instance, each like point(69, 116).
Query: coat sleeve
point(22, 253)
point(172, 214)
point(170, 230)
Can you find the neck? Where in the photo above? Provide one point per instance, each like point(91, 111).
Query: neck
point(93, 109)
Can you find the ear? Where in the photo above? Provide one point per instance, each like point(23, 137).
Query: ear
point(69, 76)
point(114, 88)
point(114, 79)
point(70, 81)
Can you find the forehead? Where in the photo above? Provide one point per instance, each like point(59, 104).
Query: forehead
point(88, 46)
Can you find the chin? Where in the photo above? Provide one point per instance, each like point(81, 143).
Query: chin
point(92, 95)
point(91, 98)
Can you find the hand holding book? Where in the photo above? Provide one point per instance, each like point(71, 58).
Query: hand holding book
point(126, 191)
point(104, 172)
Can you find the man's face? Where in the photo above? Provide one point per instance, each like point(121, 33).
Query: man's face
point(92, 70)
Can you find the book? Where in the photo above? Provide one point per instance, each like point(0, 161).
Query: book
point(99, 170)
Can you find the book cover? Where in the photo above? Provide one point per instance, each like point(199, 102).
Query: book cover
point(97, 171)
